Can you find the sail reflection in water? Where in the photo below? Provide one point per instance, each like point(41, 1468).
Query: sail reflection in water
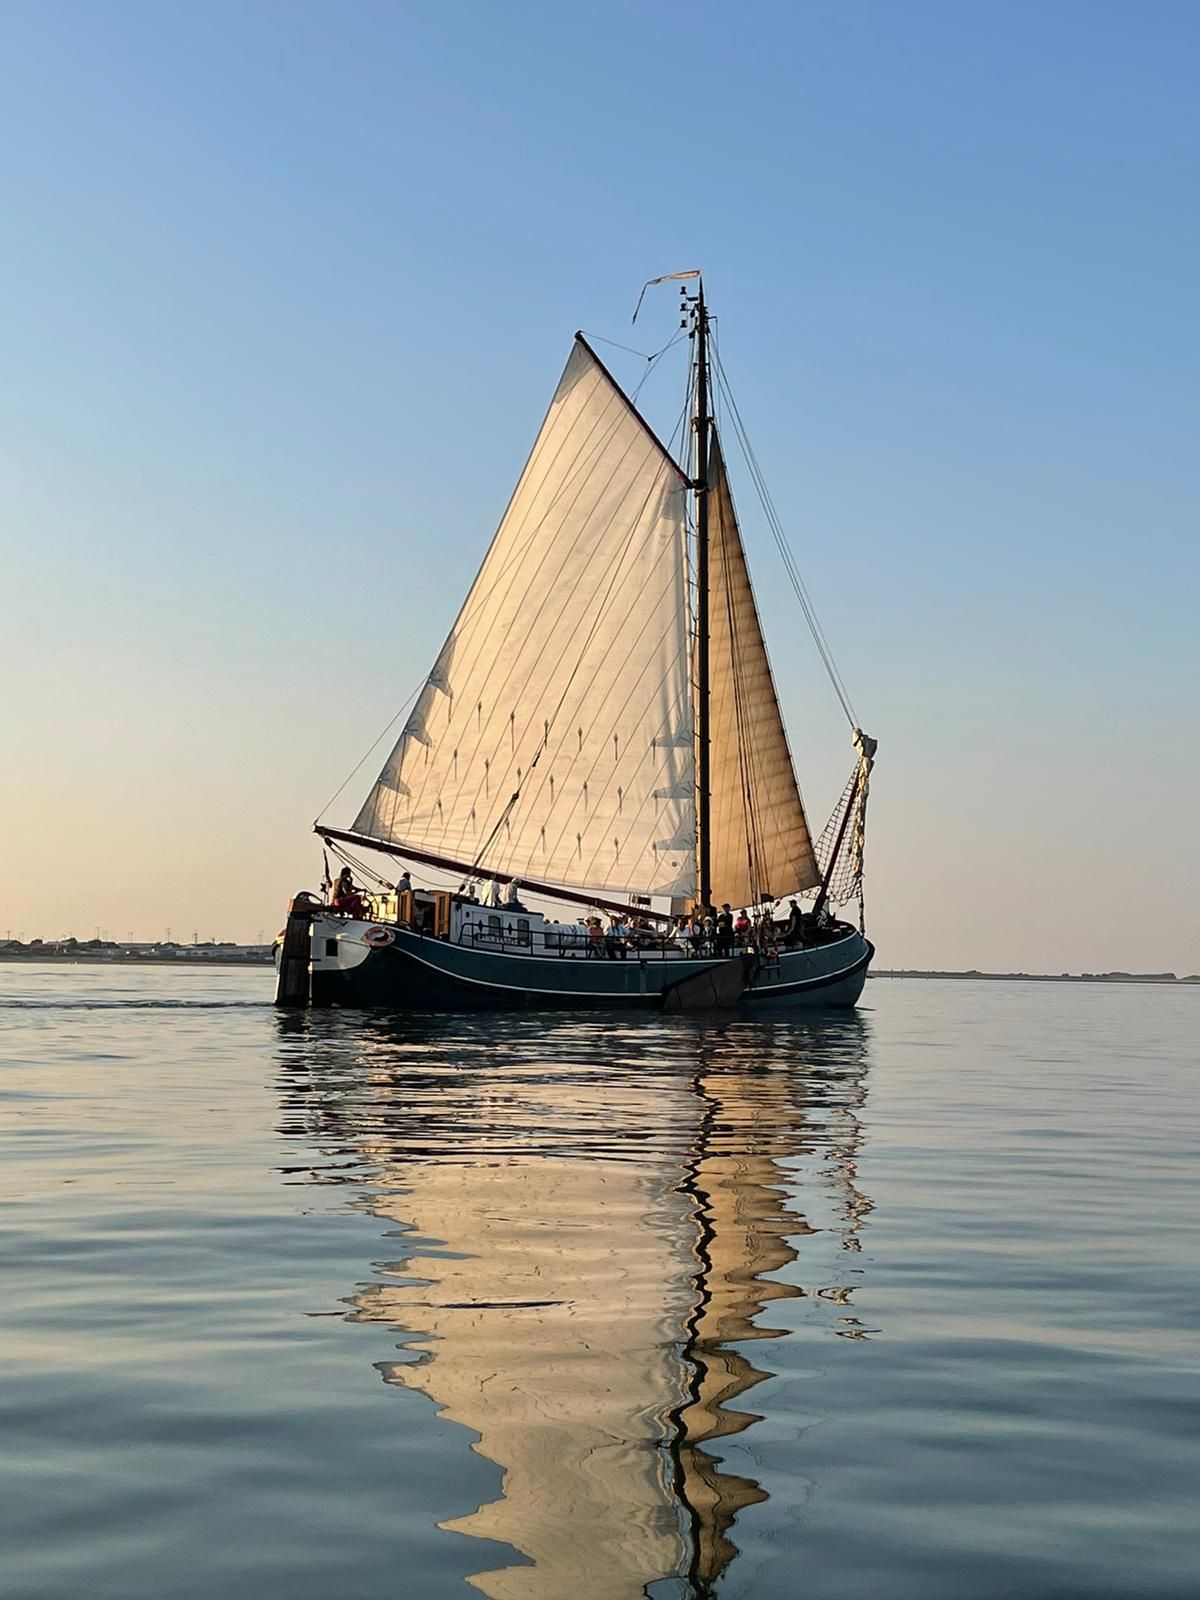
point(594, 1215)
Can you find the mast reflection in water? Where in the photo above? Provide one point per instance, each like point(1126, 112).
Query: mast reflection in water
point(593, 1216)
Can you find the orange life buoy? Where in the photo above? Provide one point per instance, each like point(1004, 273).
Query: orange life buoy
point(377, 938)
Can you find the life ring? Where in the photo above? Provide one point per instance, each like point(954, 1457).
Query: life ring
point(378, 938)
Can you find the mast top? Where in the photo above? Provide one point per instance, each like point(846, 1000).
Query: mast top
point(667, 277)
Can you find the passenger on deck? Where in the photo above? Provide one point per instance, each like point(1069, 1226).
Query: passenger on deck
point(512, 900)
point(615, 943)
point(595, 937)
point(725, 931)
point(403, 884)
point(741, 927)
point(793, 933)
point(347, 897)
point(708, 929)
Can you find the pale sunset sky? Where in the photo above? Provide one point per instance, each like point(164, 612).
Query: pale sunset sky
point(288, 286)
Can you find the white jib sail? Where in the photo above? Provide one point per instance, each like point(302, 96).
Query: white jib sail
point(760, 837)
point(566, 675)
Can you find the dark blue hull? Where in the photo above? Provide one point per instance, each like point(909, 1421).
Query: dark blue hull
point(417, 973)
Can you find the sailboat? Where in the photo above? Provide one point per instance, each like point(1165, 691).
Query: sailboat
point(600, 733)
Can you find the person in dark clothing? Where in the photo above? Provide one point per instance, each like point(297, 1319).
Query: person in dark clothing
point(725, 931)
point(793, 933)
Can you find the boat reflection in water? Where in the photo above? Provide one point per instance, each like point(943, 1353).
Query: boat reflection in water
point(595, 1215)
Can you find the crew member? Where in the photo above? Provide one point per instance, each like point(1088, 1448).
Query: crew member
point(347, 896)
point(793, 933)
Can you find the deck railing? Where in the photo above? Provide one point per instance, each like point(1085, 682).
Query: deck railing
point(573, 941)
point(510, 932)
point(569, 939)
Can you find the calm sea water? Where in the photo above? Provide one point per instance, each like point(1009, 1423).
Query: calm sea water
point(897, 1303)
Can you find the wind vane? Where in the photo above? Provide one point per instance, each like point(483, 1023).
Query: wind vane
point(667, 277)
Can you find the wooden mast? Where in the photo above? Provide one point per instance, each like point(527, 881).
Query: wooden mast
point(700, 486)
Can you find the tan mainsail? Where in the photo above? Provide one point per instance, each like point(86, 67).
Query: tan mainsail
point(566, 675)
point(760, 838)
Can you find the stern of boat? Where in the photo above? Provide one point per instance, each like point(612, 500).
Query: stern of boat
point(317, 953)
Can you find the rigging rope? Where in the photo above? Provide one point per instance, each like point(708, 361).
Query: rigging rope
point(650, 360)
point(378, 740)
point(343, 854)
point(845, 832)
point(778, 534)
point(653, 360)
point(842, 880)
point(598, 338)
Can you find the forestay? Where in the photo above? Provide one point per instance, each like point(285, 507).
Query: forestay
point(565, 679)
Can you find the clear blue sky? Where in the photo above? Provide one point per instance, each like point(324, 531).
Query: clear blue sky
point(287, 288)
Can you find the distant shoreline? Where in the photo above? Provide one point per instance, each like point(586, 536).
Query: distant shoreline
point(78, 959)
point(1163, 979)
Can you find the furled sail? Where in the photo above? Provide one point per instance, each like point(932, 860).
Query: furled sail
point(565, 679)
point(760, 840)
